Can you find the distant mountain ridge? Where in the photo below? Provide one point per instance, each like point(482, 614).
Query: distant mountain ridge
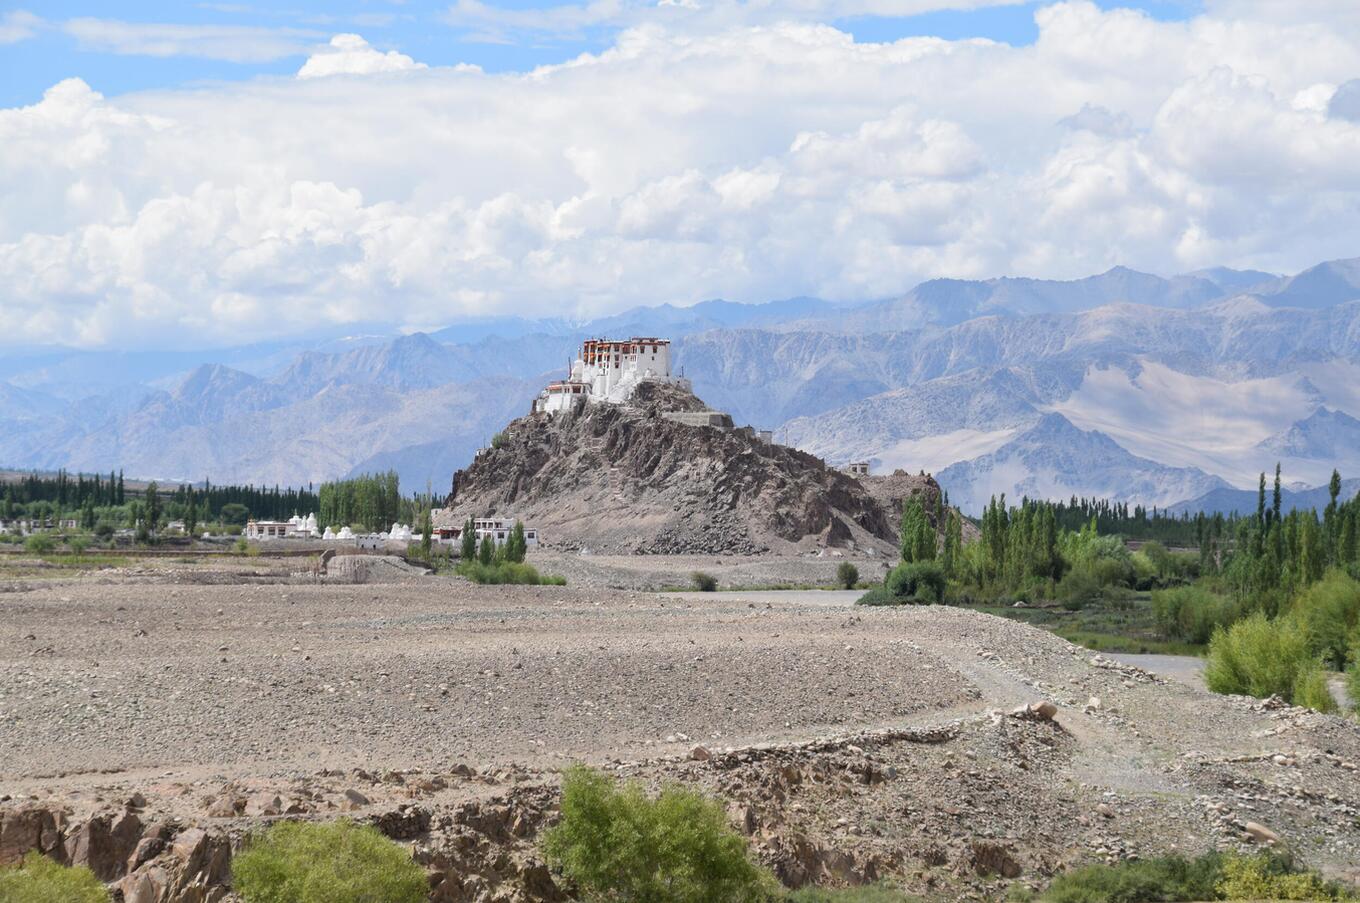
point(1187, 384)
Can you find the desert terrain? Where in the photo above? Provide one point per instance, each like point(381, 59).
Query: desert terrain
point(169, 706)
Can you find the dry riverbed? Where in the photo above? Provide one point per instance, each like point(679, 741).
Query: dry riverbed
point(850, 744)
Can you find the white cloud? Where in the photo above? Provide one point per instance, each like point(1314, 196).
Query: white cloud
point(572, 21)
point(747, 162)
point(350, 54)
point(18, 25)
point(233, 43)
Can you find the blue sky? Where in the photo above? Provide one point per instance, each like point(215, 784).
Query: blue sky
point(117, 61)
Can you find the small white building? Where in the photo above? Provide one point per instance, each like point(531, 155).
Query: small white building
point(295, 527)
point(609, 371)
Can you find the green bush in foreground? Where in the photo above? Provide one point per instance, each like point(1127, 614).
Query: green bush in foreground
point(40, 880)
point(340, 862)
point(39, 544)
point(847, 575)
point(1353, 676)
point(619, 845)
point(502, 572)
point(1273, 878)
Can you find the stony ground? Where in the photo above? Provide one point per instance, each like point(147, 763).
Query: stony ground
point(849, 744)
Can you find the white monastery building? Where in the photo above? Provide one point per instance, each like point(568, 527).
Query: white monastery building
point(497, 528)
point(610, 371)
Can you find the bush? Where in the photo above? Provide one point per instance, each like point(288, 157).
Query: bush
point(878, 595)
point(1353, 676)
point(1133, 881)
point(506, 572)
point(919, 581)
point(1262, 657)
point(1078, 589)
point(341, 862)
point(40, 880)
point(78, 544)
point(847, 575)
point(618, 845)
point(1192, 613)
point(1329, 611)
point(877, 893)
point(1311, 689)
point(1273, 878)
point(704, 583)
point(104, 531)
point(40, 544)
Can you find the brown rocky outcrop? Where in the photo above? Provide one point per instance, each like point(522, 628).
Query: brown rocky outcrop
point(623, 478)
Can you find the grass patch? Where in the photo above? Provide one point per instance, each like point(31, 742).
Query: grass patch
point(506, 572)
point(40, 880)
point(340, 862)
point(1123, 626)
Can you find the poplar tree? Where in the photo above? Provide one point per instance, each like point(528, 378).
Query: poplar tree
point(487, 553)
point(468, 551)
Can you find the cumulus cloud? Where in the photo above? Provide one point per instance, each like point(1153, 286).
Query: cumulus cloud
point(749, 162)
point(350, 54)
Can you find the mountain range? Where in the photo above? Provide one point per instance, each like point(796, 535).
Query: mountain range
point(1126, 385)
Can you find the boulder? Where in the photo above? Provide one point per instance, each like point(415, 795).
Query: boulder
point(1259, 833)
point(104, 844)
point(31, 828)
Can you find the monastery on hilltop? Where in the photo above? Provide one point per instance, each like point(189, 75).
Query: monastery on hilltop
point(610, 371)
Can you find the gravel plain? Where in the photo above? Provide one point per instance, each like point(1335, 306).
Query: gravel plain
point(850, 744)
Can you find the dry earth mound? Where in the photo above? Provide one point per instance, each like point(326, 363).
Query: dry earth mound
point(624, 478)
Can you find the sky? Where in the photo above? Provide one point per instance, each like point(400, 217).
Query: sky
point(221, 172)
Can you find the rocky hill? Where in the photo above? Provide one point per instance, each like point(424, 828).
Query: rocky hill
point(624, 478)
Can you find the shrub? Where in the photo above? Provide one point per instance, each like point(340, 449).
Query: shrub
point(78, 544)
point(506, 572)
point(242, 546)
point(40, 880)
point(1171, 878)
point(1329, 611)
point(1078, 589)
point(1273, 878)
point(878, 595)
point(876, 893)
point(619, 845)
point(1353, 676)
point(1191, 613)
point(1258, 656)
point(341, 862)
point(917, 581)
point(847, 575)
point(1311, 689)
point(103, 531)
point(39, 544)
point(704, 583)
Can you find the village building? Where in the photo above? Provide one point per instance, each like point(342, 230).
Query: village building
point(857, 468)
point(497, 528)
point(609, 371)
point(296, 527)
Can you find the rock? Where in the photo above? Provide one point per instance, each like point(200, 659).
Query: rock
point(227, 805)
point(104, 845)
point(700, 754)
point(1044, 710)
point(31, 828)
point(994, 859)
point(1259, 833)
point(265, 804)
point(1104, 810)
point(354, 799)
